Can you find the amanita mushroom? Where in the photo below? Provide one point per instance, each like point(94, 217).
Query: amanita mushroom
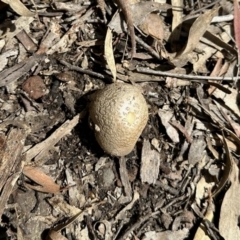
point(118, 115)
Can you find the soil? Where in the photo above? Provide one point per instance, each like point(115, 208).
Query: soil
point(70, 188)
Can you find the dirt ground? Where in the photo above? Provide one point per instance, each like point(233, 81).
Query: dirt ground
point(180, 181)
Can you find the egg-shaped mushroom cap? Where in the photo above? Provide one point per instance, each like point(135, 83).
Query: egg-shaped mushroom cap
point(118, 114)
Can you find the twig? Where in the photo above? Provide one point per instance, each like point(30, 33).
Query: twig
point(139, 223)
point(81, 70)
point(147, 47)
point(180, 76)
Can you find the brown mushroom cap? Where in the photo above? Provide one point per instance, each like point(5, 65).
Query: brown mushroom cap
point(119, 114)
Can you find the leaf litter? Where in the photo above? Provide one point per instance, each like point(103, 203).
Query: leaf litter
point(181, 181)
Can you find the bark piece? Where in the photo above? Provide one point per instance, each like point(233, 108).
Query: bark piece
point(18, 70)
point(196, 151)
point(26, 41)
point(11, 163)
point(150, 163)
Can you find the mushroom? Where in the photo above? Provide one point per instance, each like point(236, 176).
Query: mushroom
point(118, 114)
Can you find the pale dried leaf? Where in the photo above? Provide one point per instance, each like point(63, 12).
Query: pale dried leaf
point(230, 100)
point(165, 117)
point(19, 8)
point(108, 53)
point(212, 44)
point(4, 57)
point(62, 207)
point(201, 233)
point(2, 44)
point(197, 30)
point(53, 235)
point(64, 44)
point(122, 214)
point(201, 190)
point(22, 23)
point(166, 235)
point(230, 211)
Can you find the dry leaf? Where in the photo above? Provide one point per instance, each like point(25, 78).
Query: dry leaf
point(230, 100)
point(167, 235)
point(21, 23)
point(227, 170)
point(213, 45)
point(66, 41)
point(108, 53)
point(196, 32)
point(201, 233)
point(140, 12)
point(4, 57)
point(165, 117)
point(153, 26)
point(230, 211)
point(19, 7)
point(53, 235)
point(201, 188)
point(46, 182)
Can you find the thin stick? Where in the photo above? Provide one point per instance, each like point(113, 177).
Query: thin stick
point(184, 76)
point(81, 70)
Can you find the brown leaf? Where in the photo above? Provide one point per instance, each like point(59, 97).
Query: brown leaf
point(46, 182)
point(153, 26)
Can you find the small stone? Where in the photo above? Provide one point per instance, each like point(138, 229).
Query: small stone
point(34, 87)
